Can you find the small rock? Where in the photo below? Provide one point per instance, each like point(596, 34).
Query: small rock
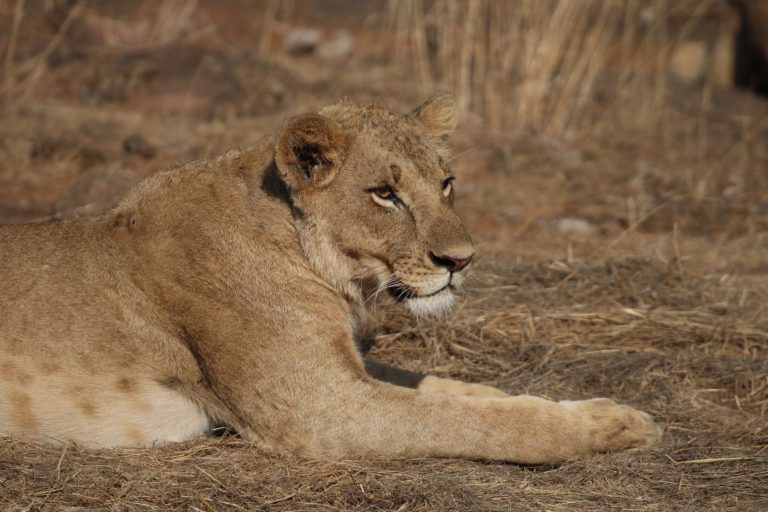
point(338, 47)
point(647, 15)
point(575, 226)
point(302, 41)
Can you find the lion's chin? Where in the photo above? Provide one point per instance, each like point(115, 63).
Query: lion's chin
point(431, 306)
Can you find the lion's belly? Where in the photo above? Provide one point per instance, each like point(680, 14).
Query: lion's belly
point(95, 411)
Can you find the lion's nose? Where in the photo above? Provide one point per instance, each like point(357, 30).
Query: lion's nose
point(452, 263)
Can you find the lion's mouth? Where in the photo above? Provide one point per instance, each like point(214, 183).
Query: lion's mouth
point(401, 292)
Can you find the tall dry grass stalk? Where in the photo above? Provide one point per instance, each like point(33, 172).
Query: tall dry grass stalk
point(554, 67)
point(34, 68)
point(173, 18)
point(171, 22)
point(277, 17)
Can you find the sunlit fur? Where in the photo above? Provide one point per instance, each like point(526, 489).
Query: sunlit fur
point(228, 291)
point(397, 190)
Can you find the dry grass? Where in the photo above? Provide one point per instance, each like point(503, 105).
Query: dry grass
point(551, 67)
point(638, 333)
point(21, 81)
point(662, 306)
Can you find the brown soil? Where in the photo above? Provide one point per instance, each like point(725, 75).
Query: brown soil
point(623, 264)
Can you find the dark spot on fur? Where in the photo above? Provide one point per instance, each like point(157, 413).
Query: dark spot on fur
point(15, 347)
point(7, 370)
point(87, 407)
point(170, 382)
point(126, 385)
point(11, 372)
point(49, 367)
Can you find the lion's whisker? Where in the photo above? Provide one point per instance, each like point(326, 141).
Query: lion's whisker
point(389, 282)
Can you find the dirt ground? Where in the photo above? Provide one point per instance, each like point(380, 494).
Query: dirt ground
point(619, 263)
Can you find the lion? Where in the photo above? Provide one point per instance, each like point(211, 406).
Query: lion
point(229, 292)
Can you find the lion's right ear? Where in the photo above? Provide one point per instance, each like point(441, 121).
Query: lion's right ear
point(309, 151)
point(438, 115)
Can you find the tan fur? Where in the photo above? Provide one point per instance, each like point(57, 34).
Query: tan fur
point(432, 384)
point(228, 291)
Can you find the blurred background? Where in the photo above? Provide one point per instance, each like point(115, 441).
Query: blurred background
point(612, 163)
point(97, 94)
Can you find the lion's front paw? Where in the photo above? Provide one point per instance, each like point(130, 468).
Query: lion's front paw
point(610, 427)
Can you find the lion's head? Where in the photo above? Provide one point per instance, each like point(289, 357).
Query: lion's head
point(373, 194)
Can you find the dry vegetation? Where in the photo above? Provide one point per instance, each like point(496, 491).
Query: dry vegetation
point(555, 68)
point(621, 218)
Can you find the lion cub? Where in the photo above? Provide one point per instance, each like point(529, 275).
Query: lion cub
point(227, 292)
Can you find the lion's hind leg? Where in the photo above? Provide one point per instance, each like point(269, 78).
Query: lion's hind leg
point(100, 411)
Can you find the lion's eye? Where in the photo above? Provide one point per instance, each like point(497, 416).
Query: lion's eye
point(448, 187)
point(385, 196)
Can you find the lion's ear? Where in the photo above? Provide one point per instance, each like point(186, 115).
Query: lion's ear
point(438, 115)
point(309, 151)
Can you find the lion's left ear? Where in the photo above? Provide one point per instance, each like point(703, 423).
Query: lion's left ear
point(438, 115)
point(309, 151)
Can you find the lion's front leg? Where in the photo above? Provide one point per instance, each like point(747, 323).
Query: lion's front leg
point(310, 394)
point(432, 384)
point(333, 411)
point(428, 383)
point(376, 419)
